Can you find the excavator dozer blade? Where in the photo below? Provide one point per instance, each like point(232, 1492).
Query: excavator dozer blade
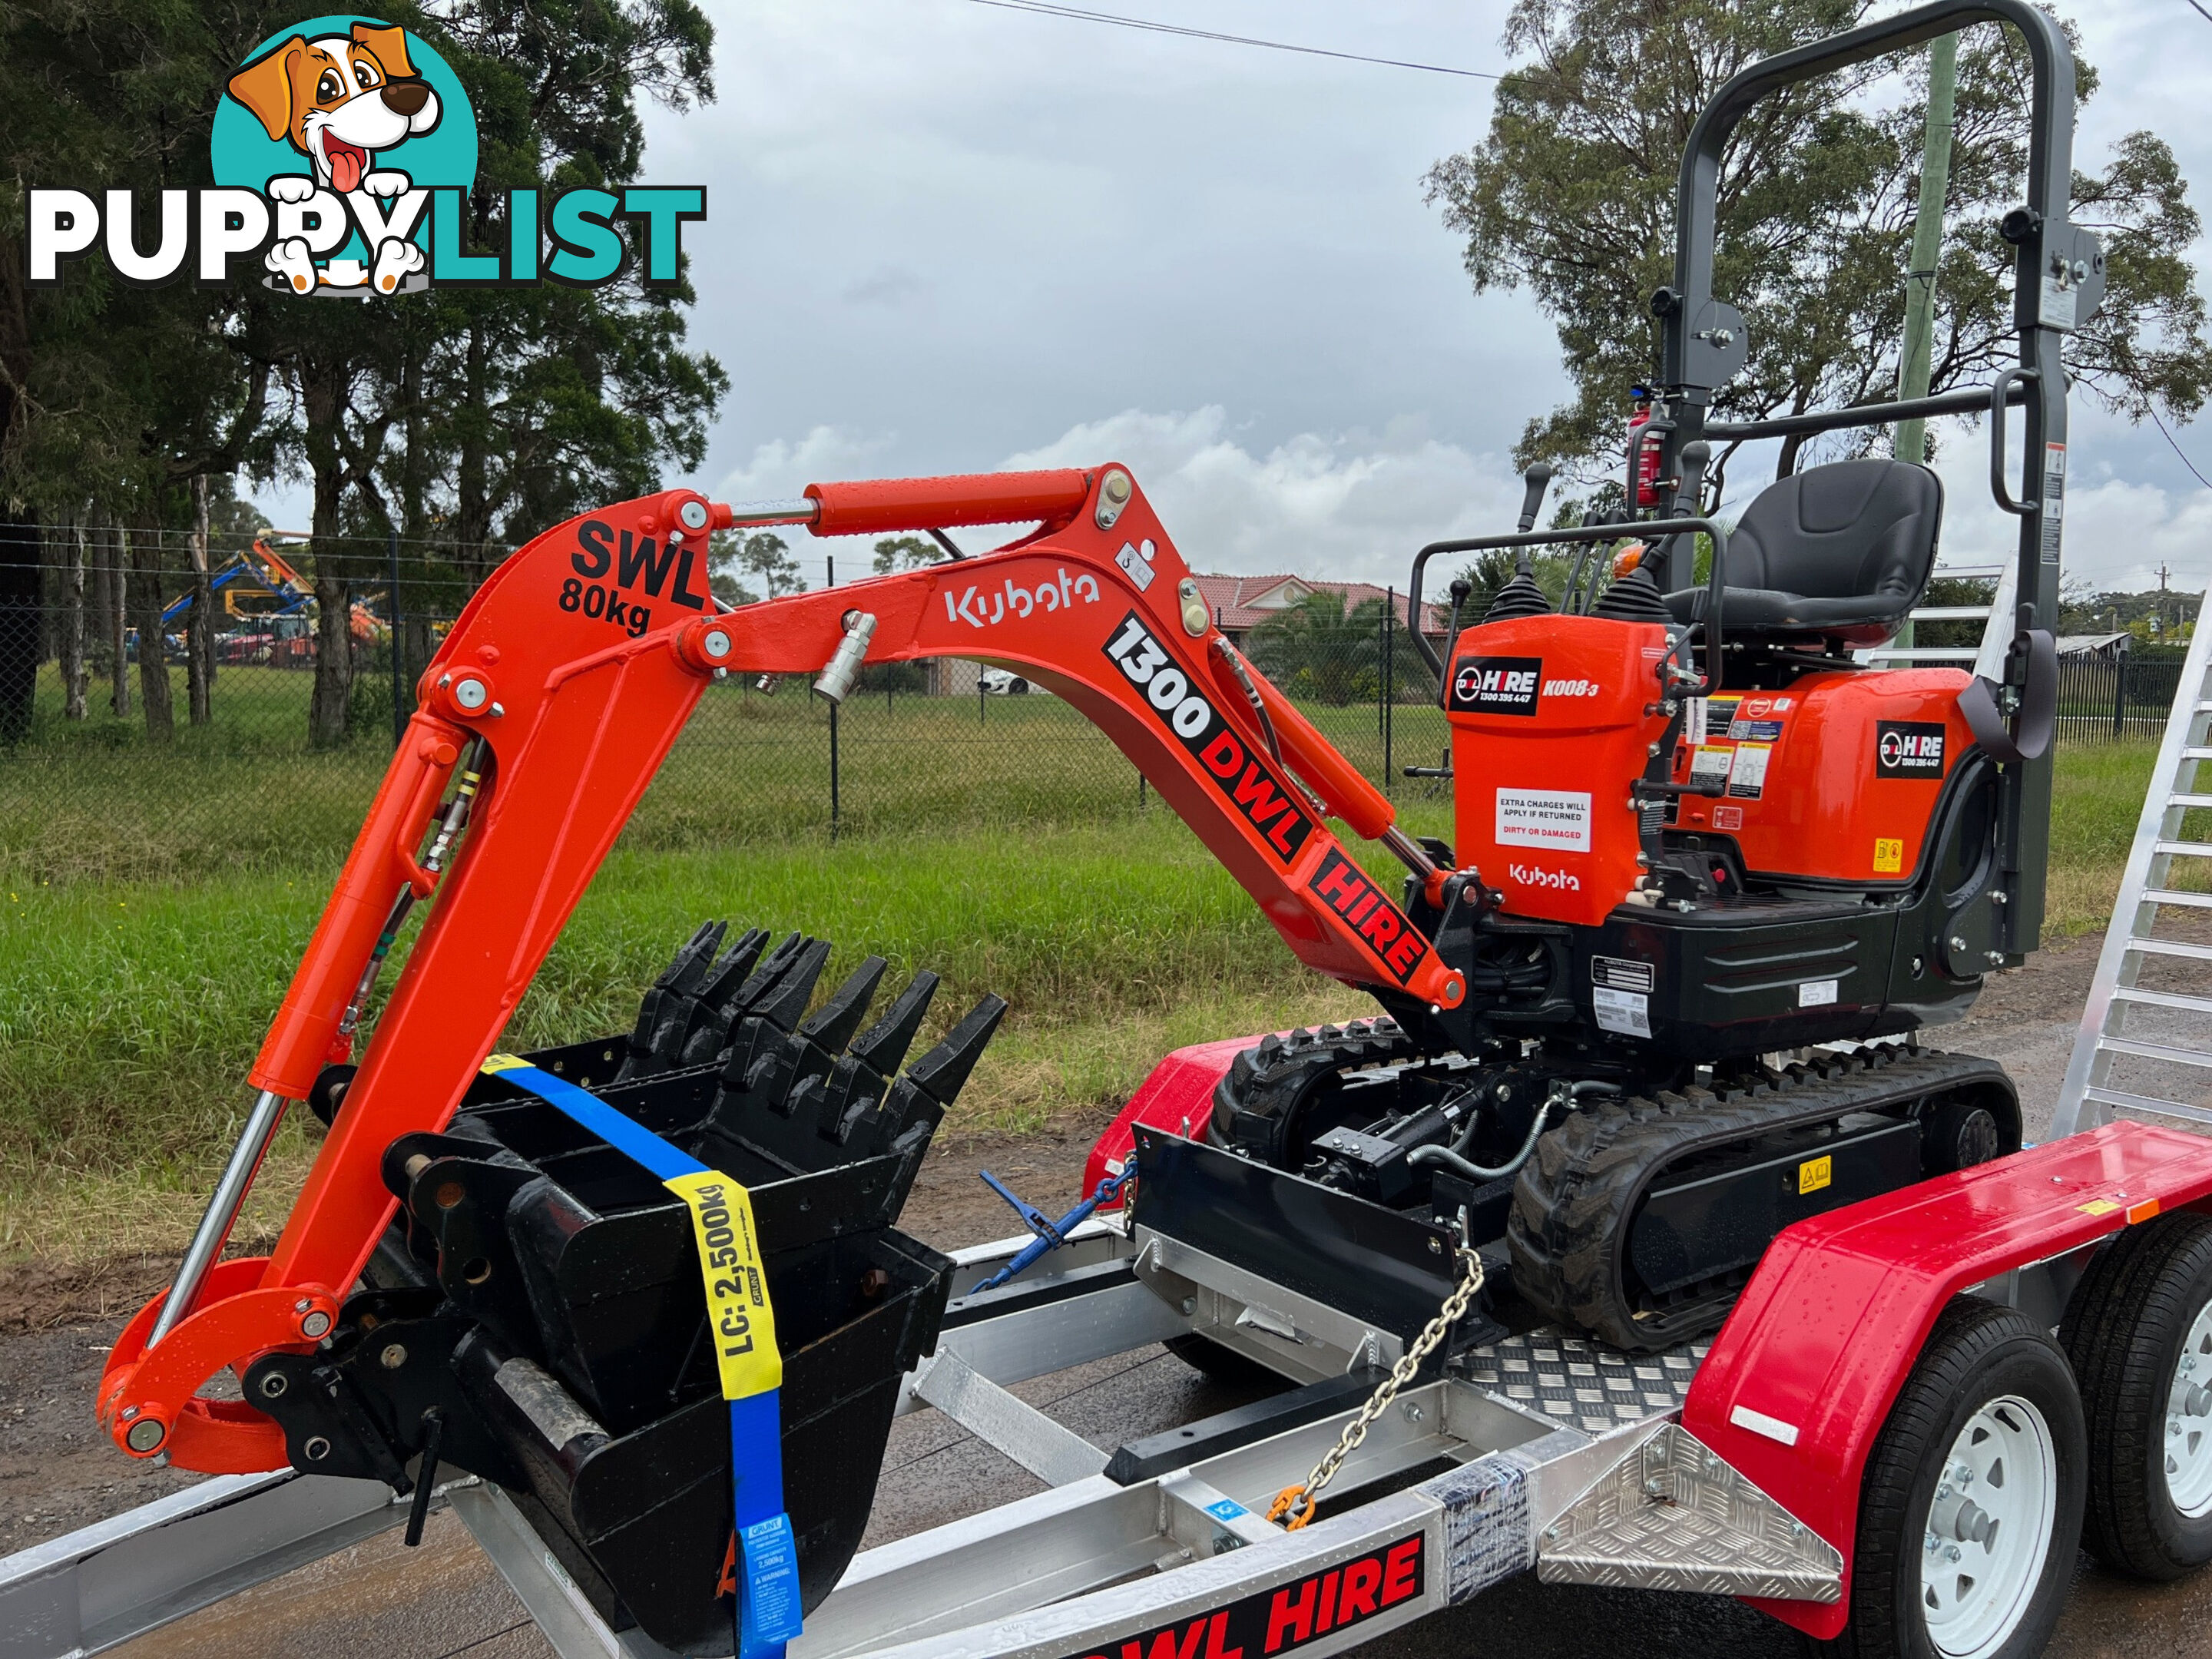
point(535, 1312)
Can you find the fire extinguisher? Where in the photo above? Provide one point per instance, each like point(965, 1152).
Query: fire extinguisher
point(1646, 454)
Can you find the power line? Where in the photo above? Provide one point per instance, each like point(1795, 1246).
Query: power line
point(2176, 447)
point(2207, 17)
point(1080, 15)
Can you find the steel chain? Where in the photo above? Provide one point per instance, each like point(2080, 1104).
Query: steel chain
point(1295, 1505)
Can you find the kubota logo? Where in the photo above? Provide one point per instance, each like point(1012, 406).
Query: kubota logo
point(981, 609)
point(1529, 876)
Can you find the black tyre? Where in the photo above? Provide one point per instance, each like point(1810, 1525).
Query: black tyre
point(1224, 1365)
point(2139, 1334)
point(1973, 1568)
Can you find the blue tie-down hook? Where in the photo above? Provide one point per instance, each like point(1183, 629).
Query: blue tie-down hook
point(1050, 1234)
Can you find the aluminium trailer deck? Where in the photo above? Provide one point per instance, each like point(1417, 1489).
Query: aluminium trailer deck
point(1540, 1451)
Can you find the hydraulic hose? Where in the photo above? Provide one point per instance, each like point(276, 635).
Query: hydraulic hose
point(1453, 1158)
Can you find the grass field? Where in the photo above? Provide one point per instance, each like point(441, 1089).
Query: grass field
point(88, 802)
point(151, 910)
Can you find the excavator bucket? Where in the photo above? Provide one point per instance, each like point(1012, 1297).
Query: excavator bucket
point(536, 1315)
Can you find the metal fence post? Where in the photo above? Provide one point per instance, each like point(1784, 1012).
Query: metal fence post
point(1389, 677)
point(392, 627)
point(2119, 695)
point(830, 561)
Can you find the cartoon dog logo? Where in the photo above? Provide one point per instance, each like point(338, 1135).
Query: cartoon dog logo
point(341, 101)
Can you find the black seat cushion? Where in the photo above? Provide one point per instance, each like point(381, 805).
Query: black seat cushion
point(1839, 552)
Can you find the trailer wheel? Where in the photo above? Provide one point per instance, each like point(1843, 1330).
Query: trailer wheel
point(2139, 1332)
point(1971, 1508)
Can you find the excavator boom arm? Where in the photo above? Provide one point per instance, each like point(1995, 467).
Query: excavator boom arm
point(556, 696)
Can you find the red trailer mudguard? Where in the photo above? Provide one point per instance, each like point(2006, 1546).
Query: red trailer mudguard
point(1801, 1377)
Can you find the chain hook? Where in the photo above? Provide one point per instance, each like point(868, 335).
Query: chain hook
point(1295, 1505)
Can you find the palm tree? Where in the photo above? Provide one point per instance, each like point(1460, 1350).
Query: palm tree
point(1319, 648)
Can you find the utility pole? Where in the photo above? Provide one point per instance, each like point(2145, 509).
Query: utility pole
point(1927, 242)
point(394, 629)
point(1926, 251)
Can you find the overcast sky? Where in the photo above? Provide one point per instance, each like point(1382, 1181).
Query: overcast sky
point(944, 236)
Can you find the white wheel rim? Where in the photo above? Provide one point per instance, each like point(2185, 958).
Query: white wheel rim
point(1988, 1529)
point(2188, 1447)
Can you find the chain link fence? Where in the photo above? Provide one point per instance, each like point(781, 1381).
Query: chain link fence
point(167, 718)
point(162, 715)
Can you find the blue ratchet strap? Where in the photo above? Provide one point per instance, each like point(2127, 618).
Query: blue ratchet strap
point(744, 1328)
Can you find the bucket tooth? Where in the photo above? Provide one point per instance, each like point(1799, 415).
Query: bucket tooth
point(830, 1027)
point(840, 1104)
point(883, 1045)
point(709, 1028)
point(783, 1077)
point(733, 968)
point(943, 1072)
point(783, 1005)
point(765, 1056)
point(765, 974)
point(665, 1011)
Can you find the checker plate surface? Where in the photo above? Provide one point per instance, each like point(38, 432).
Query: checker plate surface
point(1672, 1517)
point(1584, 1385)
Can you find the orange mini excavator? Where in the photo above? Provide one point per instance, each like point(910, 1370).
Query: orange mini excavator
point(1693, 833)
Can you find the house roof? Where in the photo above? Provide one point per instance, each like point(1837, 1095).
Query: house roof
point(1238, 603)
point(2075, 645)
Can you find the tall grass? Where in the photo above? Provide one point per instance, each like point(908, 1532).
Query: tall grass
point(139, 969)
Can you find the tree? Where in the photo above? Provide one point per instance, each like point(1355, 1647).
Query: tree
point(730, 591)
point(906, 553)
point(764, 555)
point(111, 397)
point(1322, 648)
point(1572, 193)
point(1490, 571)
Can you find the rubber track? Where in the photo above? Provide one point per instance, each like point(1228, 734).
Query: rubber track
point(1255, 1103)
point(1569, 1228)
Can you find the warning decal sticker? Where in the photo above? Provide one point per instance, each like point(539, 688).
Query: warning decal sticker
point(1747, 776)
point(1557, 819)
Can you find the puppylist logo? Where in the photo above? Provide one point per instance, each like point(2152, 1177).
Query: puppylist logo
point(344, 152)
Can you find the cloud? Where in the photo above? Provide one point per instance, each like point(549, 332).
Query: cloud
point(1345, 505)
point(782, 467)
point(2118, 532)
point(1351, 506)
point(886, 285)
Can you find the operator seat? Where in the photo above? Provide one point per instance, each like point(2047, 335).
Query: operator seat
point(1837, 553)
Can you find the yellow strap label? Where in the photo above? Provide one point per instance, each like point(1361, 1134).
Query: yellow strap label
point(503, 1063)
point(738, 1317)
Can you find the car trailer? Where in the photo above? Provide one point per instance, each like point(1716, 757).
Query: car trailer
point(1917, 1406)
point(1900, 1343)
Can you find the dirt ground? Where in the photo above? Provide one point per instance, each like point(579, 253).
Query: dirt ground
point(57, 1473)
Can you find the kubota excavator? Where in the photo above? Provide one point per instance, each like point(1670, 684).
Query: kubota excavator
point(1693, 833)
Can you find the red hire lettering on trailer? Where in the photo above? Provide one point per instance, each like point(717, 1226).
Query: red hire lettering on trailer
point(1284, 1620)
